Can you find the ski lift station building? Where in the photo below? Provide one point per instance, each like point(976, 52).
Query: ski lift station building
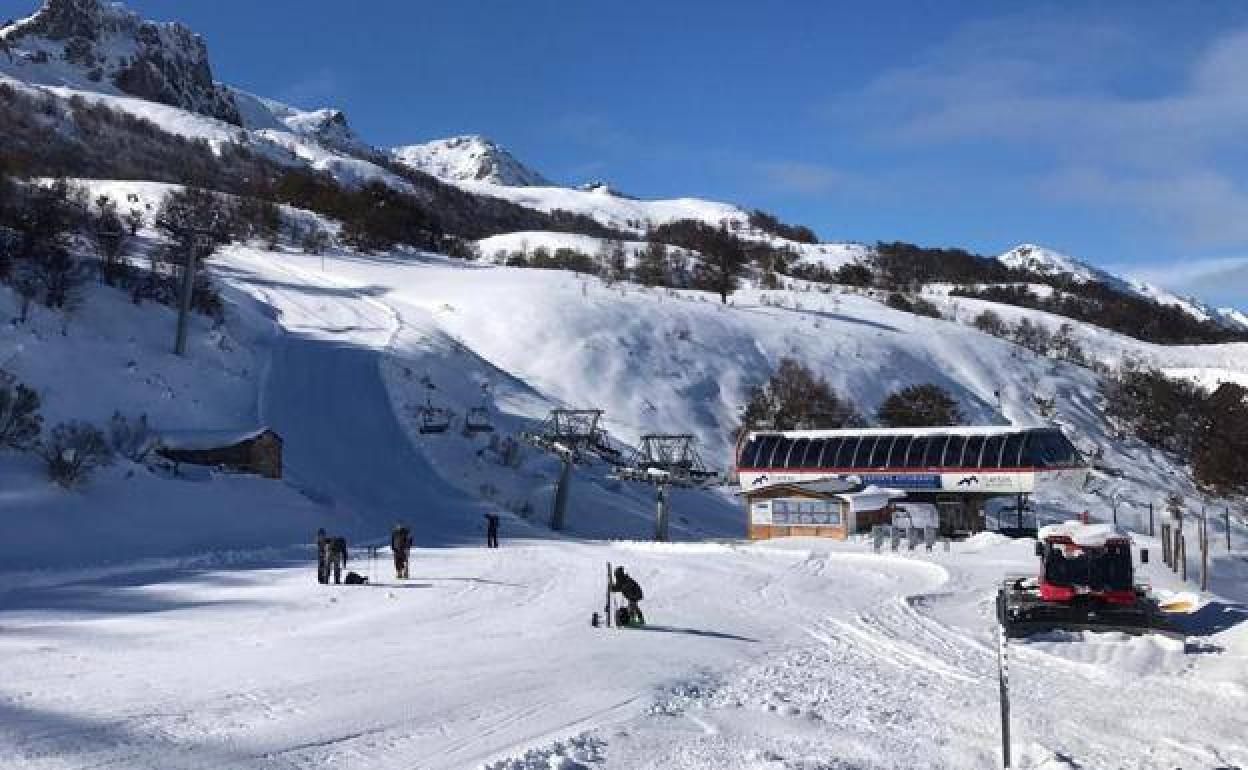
point(957, 469)
point(834, 507)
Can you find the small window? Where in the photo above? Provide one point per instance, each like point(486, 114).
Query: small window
point(1013, 449)
point(897, 455)
point(880, 455)
point(862, 458)
point(1049, 448)
point(991, 458)
point(970, 456)
point(779, 446)
point(762, 455)
point(813, 450)
point(935, 448)
point(953, 452)
point(749, 453)
point(918, 449)
point(827, 456)
point(845, 454)
point(793, 457)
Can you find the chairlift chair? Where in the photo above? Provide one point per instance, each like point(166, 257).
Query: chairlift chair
point(434, 419)
point(478, 420)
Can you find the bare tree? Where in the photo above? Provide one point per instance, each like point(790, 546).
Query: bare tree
point(73, 451)
point(20, 422)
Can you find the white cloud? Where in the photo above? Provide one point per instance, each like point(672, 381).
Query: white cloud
point(314, 90)
point(1118, 123)
point(1221, 281)
point(806, 178)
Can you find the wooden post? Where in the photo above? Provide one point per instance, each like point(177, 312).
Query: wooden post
point(1183, 556)
point(1177, 543)
point(1150, 519)
point(1204, 551)
point(1165, 544)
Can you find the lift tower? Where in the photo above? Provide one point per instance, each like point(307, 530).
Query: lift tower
point(666, 461)
point(572, 434)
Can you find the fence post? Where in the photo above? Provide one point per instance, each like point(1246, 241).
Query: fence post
point(1150, 519)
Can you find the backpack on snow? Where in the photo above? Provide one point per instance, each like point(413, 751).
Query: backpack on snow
point(354, 579)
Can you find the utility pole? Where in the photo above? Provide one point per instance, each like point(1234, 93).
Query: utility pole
point(1003, 677)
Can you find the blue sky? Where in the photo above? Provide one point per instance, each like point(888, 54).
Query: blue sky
point(1111, 131)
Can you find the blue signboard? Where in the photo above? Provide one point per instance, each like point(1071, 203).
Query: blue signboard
point(904, 480)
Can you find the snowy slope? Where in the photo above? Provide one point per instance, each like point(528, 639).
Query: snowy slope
point(681, 362)
point(469, 158)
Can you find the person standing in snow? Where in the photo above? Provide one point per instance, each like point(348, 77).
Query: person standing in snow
point(491, 530)
point(631, 591)
point(400, 546)
point(337, 558)
point(322, 556)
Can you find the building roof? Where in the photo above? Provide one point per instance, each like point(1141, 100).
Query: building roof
point(950, 430)
point(199, 440)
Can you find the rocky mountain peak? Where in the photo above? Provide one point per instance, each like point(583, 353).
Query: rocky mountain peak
point(95, 42)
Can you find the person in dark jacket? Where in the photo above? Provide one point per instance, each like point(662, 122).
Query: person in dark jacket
point(631, 591)
point(400, 546)
point(337, 558)
point(491, 530)
point(322, 556)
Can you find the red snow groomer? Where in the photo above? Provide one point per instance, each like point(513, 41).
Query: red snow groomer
point(1086, 583)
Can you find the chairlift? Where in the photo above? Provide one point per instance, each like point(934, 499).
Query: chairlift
point(478, 420)
point(434, 419)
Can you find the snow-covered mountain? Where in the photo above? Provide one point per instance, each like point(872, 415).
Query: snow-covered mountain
point(95, 44)
point(1047, 262)
point(469, 158)
point(326, 125)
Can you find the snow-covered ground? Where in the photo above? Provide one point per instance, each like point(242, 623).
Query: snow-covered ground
point(793, 654)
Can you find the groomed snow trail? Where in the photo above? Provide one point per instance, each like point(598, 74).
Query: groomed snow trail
point(324, 395)
point(480, 656)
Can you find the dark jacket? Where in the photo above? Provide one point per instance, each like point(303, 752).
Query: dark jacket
point(322, 545)
point(491, 522)
point(626, 586)
point(338, 547)
point(401, 539)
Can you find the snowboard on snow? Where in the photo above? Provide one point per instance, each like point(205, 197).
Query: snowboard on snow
point(613, 614)
point(607, 608)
